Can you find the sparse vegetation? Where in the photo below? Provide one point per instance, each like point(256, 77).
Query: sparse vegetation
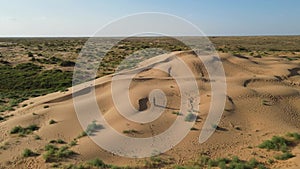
point(58, 141)
point(132, 131)
point(82, 134)
point(296, 136)
point(97, 163)
point(37, 137)
point(176, 113)
point(52, 121)
point(28, 153)
point(24, 131)
point(73, 143)
point(282, 144)
point(284, 156)
point(276, 143)
point(224, 163)
point(54, 153)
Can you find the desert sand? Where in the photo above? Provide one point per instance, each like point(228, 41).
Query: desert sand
point(263, 96)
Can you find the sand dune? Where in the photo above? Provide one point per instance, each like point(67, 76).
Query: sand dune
point(263, 96)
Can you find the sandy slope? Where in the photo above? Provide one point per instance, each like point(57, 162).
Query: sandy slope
point(263, 100)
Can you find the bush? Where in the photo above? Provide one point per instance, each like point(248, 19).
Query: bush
point(82, 134)
point(23, 131)
point(60, 141)
point(28, 153)
point(54, 153)
point(16, 129)
point(296, 136)
point(97, 163)
point(176, 113)
point(73, 143)
point(276, 143)
point(284, 156)
point(132, 131)
point(37, 137)
point(52, 121)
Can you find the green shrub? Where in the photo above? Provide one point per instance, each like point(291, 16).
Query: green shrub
point(97, 163)
point(222, 165)
point(284, 156)
point(132, 131)
point(296, 136)
point(82, 134)
point(60, 141)
point(63, 152)
point(53, 153)
point(52, 121)
point(276, 143)
point(23, 131)
point(37, 137)
point(253, 163)
point(176, 113)
point(16, 129)
point(73, 143)
point(28, 153)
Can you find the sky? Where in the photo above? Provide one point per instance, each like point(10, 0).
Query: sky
point(85, 17)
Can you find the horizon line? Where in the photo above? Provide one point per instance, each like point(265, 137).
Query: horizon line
point(88, 36)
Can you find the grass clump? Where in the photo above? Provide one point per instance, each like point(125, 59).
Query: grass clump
point(176, 113)
point(37, 137)
point(58, 141)
point(23, 131)
point(132, 131)
point(53, 153)
point(97, 163)
point(28, 153)
point(73, 143)
point(52, 121)
point(82, 134)
point(284, 156)
point(157, 162)
point(282, 144)
point(296, 136)
point(225, 163)
point(276, 143)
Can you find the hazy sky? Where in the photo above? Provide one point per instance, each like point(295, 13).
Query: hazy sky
point(85, 17)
